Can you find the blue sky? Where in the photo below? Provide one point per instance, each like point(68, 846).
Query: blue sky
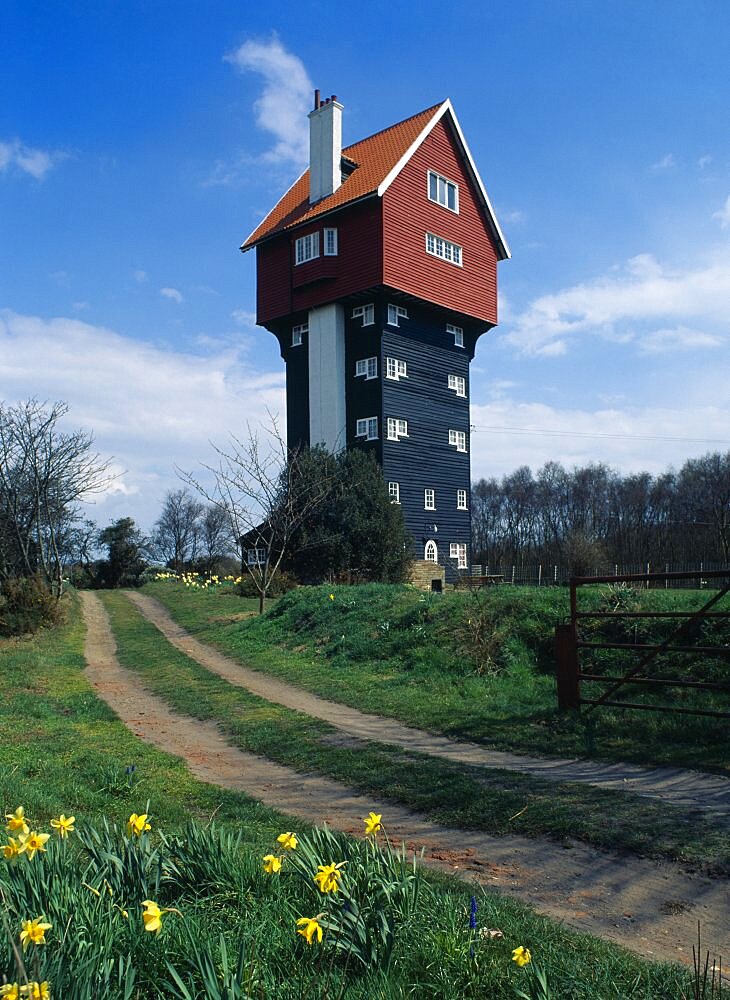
point(140, 143)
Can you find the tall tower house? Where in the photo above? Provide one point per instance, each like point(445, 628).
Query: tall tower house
point(377, 273)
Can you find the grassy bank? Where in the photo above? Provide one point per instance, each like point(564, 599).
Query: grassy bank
point(62, 750)
point(469, 798)
point(473, 666)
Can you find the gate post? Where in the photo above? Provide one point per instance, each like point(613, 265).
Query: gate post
point(566, 659)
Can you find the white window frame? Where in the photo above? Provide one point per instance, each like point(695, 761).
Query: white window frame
point(330, 242)
point(394, 492)
point(297, 333)
point(256, 557)
point(397, 428)
point(442, 185)
point(396, 313)
point(458, 439)
point(366, 313)
point(395, 369)
point(437, 246)
point(457, 550)
point(367, 427)
point(429, 499)
point(431, 551)
point(367, 367)
point(458, 334)
point(307, 248)
point(458, 384)
point(462, 500)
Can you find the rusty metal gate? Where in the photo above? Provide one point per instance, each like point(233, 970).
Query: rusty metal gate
point(570, 644)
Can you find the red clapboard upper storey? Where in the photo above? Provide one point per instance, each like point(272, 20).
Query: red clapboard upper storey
point(374, 163)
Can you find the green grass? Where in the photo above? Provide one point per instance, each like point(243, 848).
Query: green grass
point(461, 796)
point(416, 657)
point(61, 749)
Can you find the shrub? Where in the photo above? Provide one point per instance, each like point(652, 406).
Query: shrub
point(282, 583)
point(26, 604)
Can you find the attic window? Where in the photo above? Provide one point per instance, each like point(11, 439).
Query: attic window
point(443, 191)
point(307, 248)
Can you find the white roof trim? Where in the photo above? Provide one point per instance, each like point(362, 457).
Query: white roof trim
point(447, 107)
point(243, 248)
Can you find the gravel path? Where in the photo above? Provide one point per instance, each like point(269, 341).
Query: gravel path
point(677, 786)
point(649, 907)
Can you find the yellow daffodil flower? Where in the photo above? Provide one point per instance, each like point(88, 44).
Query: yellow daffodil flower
point(288, 841)
point(308, 927)
point(521, 956)
point(91, 889)
point(33, 932)
point(11, 991)
point(332, 597)
point(64, 825)
point(272, 864)
point(32, 843)
point(36, 991)
point(16, 821)
point(11, 850)
point(328, 877)
point(373, 824)
point(137, 825)
point(152, 916)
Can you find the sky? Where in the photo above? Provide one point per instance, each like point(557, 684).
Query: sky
point(141, 143)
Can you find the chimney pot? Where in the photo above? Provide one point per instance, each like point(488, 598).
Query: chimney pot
point(317, 101)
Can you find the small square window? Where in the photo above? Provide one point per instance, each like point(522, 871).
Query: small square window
point(394, 492)
point(458, 439)
point(458, 384)
point(256, 557)
point(457, 550)
point(429, 499)
point(367, 428)
point(443, 191)
point(395, 369)
point(396, 313)
point(366, 313)
point(297, 333)
point(397, 429)
point(367, 367)
point(330, 242)
point(457, 333)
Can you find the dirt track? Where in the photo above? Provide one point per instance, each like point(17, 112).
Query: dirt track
point(648, 907)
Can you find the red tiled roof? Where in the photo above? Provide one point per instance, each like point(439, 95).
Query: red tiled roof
point(375, 158)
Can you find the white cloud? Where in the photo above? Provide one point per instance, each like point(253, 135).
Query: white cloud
point(242, 317)
point(36, 162)
point(140, 276)
point(666, 163)
point(513, 218)
point(173, 294)
point(723, 216)
point(678, 338)
point(282, 107)
point(627, 304)
point(79, 306)
point(151, 409)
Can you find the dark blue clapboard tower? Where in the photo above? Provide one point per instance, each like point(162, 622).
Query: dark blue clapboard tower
point(377, 272)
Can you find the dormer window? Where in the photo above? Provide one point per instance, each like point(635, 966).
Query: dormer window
point(307, 248)
point(366, 313)
point(443, 191)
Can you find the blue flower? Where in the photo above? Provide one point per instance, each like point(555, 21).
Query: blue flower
point(473, 914)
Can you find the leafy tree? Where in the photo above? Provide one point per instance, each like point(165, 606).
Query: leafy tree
point(126, 548)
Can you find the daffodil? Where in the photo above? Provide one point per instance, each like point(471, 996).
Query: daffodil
point(332, 597)
point(288, 841)
point(328, 877)
point(33, 932)
point(11, 850)
point(373, 824)
point(309, 927)
point(137, 825)
point(11, 991)
point(36, 991)
point(64, 825)
point(32, 843)
point(272, 864)
point(521, 956)
point(16, 821)
point(152, 916)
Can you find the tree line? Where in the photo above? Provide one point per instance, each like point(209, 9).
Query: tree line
point(592, 515)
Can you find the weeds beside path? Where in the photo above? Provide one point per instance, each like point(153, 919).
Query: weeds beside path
point(648, 907)
point(676, 786)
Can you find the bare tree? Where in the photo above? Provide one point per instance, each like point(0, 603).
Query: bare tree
point(216, 537)
point(177, 530)
point(44, 474)
point(264, 491)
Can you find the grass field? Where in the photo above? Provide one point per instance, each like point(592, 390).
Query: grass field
point(61, 750)
point(478, 667)
point(470, 798)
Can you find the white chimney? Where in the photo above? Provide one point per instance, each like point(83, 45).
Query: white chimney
point(325, 147)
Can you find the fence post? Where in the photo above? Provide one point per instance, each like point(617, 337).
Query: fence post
point(539, 575)
point(513, 575)
point(566, 660)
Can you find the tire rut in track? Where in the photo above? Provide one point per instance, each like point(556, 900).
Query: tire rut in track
point(630, 901)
